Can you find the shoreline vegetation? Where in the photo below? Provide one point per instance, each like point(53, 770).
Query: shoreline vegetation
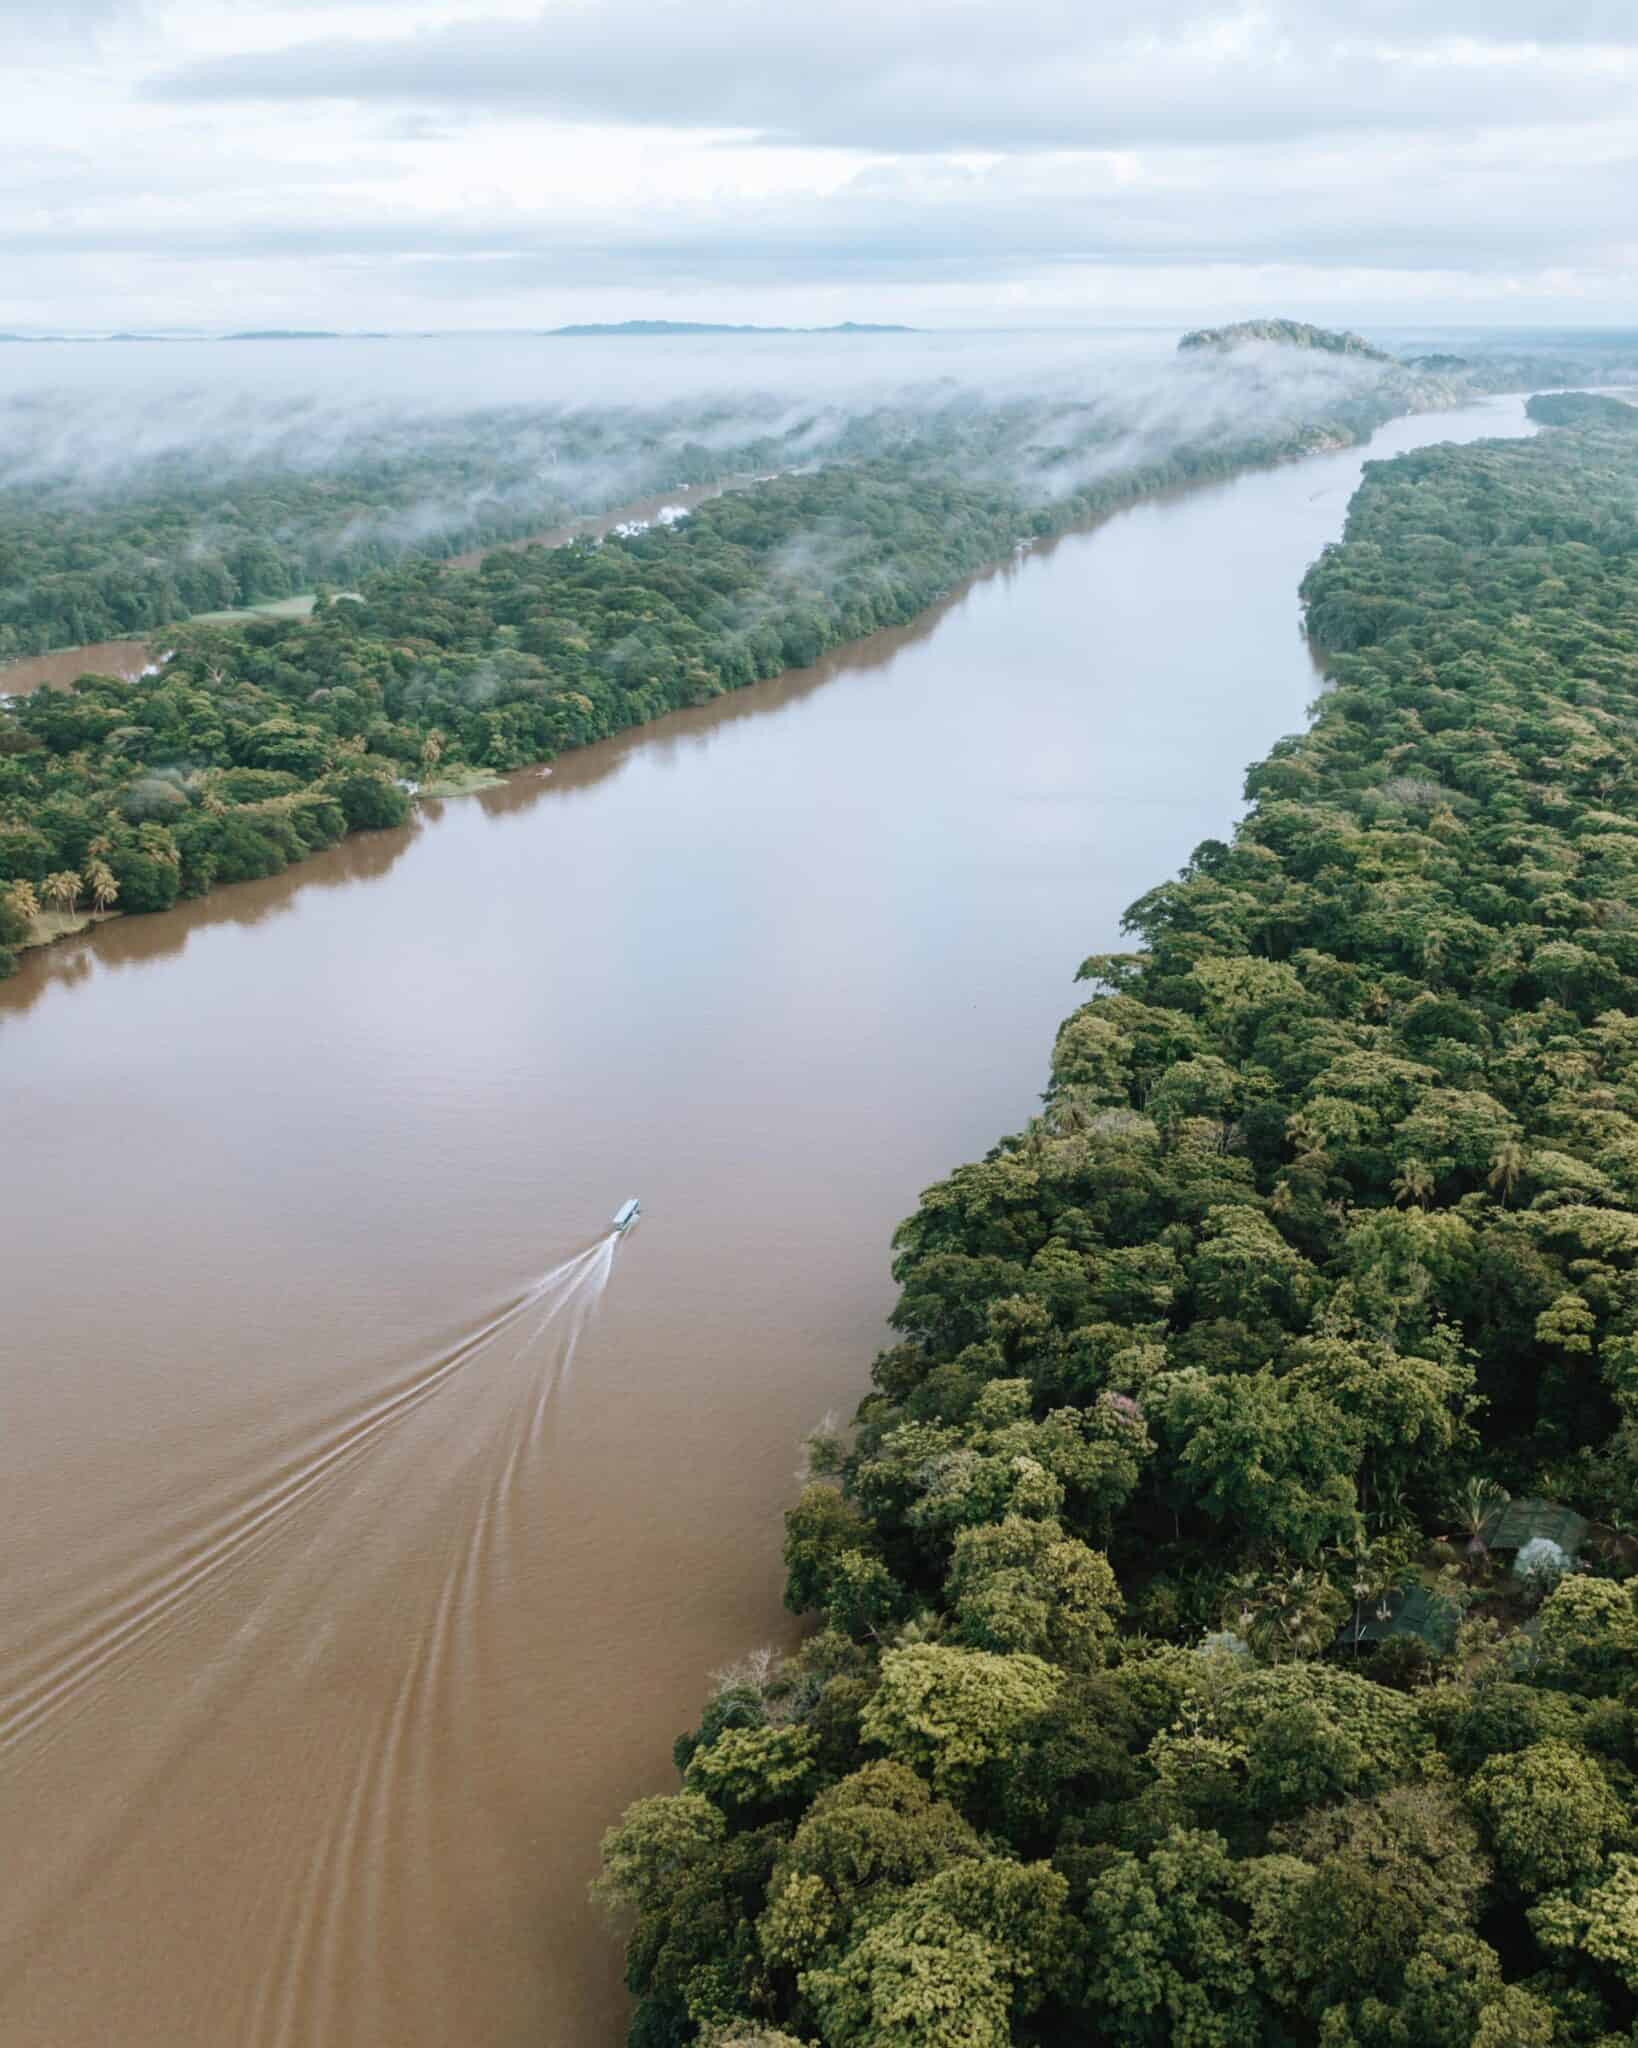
point(105, 539)
point(1225, 1598)
point(627, 515)
point(262, 739)
point(76, 572)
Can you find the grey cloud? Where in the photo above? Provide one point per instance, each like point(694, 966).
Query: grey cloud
point(1523, 21)
point(962, 76)
point(70, 28)
point(65, 15)
point(1048, 141)
point(1483, 209)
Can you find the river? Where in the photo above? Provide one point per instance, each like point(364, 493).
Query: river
point(348, 1595)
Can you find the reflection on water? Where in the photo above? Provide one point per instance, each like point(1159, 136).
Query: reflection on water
point(123, 658)
point(128, 940)
point(340, 1617)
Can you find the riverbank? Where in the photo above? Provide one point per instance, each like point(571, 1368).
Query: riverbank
point(46, 927)
point(460, 782)
point(1236, 1517)
point(125, 659)
point(514, 663)
point(775, 961)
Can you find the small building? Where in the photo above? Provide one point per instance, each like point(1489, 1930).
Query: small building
point(1518, 1522)
point(1408, 1611)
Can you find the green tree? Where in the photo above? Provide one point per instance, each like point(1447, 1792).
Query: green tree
point(1587, 1636)
point(1550, 1812)
point(1021, 1585)
point(862, 1844)
point(656, 1842)
point(950, 1712)
point(62, 890)
point(1267, 1456)
point(1410, 1413)
point(1294, 1612)
point(1597, 1920)
point(1297, 1759)
point(1167, 1961)
point(99, 879)
point(754, 1773)
point(949, 1965)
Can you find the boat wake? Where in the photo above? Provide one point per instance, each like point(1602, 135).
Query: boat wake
point(284, 1579)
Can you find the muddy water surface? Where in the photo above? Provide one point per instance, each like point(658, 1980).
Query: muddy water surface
point(371, 1520)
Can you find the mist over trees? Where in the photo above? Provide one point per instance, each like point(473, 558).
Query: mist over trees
point(1289, 333)
point(154, 548)
point(142, 489)
point(1226, 1626)
point(257, 742)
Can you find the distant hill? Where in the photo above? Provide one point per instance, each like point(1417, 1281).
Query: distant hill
point(647, 327)
point(285, 334)
point(1290, 334)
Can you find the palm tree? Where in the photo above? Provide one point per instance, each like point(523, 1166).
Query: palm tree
point(1474, 1502)
point(24, 901)
point(156, 842)
point(99, 879)
point(1414, 1182)
point(62, 890)
point(1506, 1170)
point(1371, 1574)
point(1291, 1614)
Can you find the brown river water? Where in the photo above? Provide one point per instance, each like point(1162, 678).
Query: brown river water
point(371, 1521)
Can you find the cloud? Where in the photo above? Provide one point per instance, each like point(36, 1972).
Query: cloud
point(963, 75)
point(1483, 207)
point(1515, 21)
point(594, 419)
point(68, 14)
point(172, 163)
point(66, 26)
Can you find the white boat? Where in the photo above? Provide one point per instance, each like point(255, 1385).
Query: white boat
point(627, 1213)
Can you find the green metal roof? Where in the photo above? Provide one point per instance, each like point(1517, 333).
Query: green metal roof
point(1409, 1612)
point(1520, 1521)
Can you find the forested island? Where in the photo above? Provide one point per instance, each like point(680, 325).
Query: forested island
point(1226, 1626)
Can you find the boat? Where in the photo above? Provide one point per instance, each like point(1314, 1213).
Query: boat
point(626, 1215)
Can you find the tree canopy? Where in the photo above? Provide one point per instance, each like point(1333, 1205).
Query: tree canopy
point(1325, 1240)
point(250, 743)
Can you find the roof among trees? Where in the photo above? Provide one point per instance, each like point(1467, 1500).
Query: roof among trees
point(1518, 1522)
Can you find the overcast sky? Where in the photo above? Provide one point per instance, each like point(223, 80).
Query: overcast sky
point(477, 163)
